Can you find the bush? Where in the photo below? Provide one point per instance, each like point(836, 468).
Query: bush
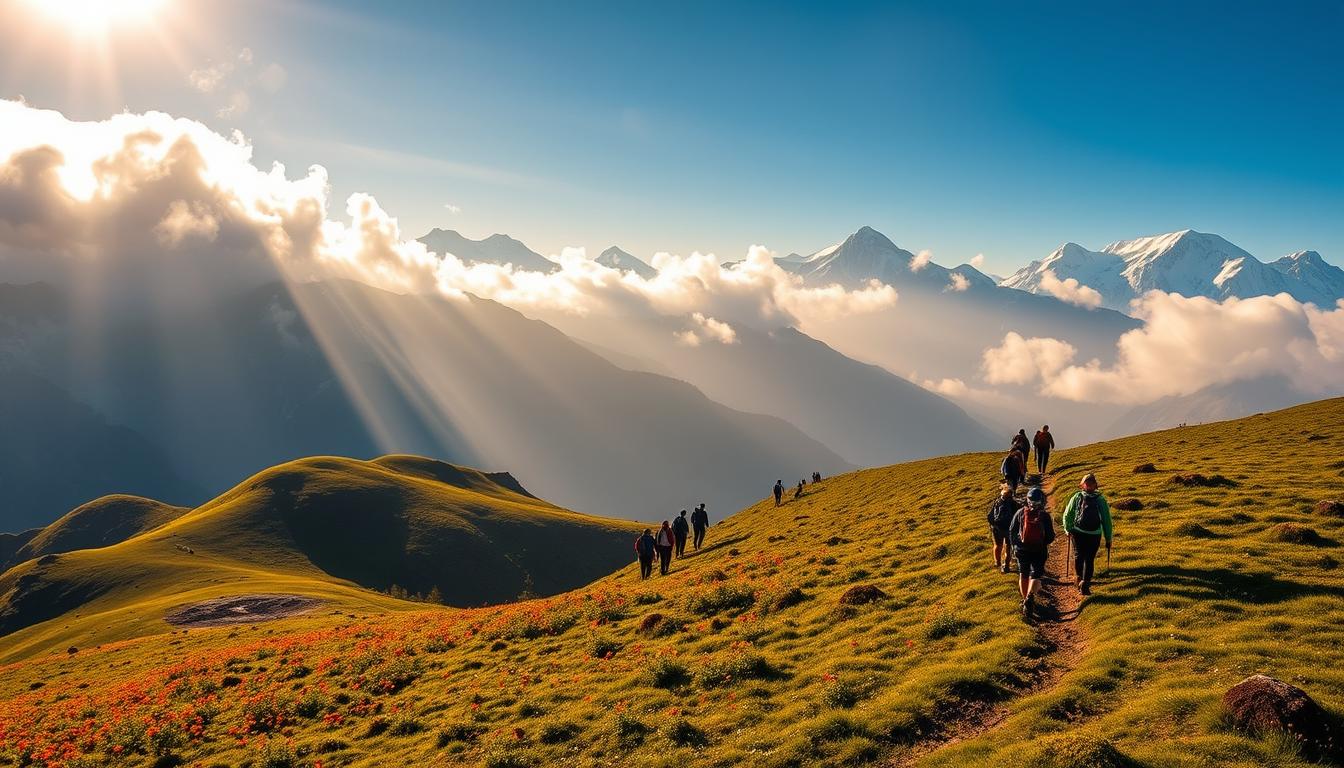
point(629, 730)
point(945, 623)
point(843, 693)
point(724, 597)
point(459, 732)
point(682, 733)
point(730, 669)
point(668, 673)
point(556, 733)
point(603, 647)
point(1193, 530)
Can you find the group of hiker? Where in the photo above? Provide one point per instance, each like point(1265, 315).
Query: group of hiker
point(1022, 529)
point(670, 541)
point(797, 490)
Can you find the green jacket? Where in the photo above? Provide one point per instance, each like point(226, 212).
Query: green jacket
point(1071, 514)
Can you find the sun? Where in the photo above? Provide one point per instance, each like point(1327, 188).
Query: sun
point(98, 15)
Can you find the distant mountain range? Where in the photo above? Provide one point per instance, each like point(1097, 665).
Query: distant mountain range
point(615, 258)
point(1187, 262)
point(495, 249)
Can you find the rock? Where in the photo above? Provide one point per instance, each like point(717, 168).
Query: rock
point(1145, 469)
point(1292, 533)
point(836, 541)
point(650, 623)
point(862, 594)
point(1194, 479)
point(1332, 508)
point(1261, 704)
point(1128, 505)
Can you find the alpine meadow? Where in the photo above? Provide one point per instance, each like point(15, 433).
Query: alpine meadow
point(773, 385)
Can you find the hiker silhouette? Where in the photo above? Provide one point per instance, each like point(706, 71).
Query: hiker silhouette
point(681, 529)
point(664, 542)
point(1044, 443)
point(699, 522)
point(779, 492)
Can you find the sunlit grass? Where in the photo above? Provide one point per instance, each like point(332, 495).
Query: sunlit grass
point(753, 660)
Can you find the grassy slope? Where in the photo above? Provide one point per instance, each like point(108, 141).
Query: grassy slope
point(752, 677)
point(102, 522)
point(323, 526)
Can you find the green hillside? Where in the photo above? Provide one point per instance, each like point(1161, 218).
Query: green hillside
point(102, 522)
point(860, 624)
point(327, 527)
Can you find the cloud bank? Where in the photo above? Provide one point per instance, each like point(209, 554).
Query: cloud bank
point(1070, 290)
point(149, 201)
point(1185, 345)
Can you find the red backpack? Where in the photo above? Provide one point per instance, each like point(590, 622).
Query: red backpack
point(1032, 534)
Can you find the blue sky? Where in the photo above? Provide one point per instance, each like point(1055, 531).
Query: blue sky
point(964, 128)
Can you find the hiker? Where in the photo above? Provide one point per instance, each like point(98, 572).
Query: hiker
point(665, 541)
point(1087, 519)
point(1031, 533)
point(798, 492)
point(1022, 445)
point(699, 522)
point(816, 478)
point(645, 548)
point(1000, 518)
point(1013, 469)
point(779, 492)
point(1044, 442)
point(681, 529)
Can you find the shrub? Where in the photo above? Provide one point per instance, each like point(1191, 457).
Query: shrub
point(1193, 530)
point(459, 732)
point(944, 623)
point(556, 733)
point(734, 667)
point(1331, 508)
point(682, 733)
point(668, 673)
point(841, 693)
point(724, 597)
point(1128, 505)
point(1144, 469)
point(628, 730)
point(602, 647)
point(862, 594)
point(404, 725)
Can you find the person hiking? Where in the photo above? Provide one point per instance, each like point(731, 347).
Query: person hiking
point(779, 492)
point(664, 542)
point(798, 492)
point(1000, 517)
point(1012, 469)
point(681, 529)
point(1044, 442)
point(645, 549)
point(1087, 520)
point(699, 522)
point(1031, 533)
point(1022, 444)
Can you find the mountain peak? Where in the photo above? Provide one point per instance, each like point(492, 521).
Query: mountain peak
point(617, 259)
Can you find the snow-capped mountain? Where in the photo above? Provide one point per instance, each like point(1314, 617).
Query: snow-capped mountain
point(1187, 262)
point(615, 258)
point(495, 249)
point(866, 255)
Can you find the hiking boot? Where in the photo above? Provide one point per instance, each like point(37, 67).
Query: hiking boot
point(1085, 588)
point(1004, 568)
point(1028, 607)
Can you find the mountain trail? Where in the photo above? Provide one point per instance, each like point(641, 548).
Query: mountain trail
point(1058, 606)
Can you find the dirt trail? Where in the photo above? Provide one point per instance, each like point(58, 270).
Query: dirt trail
point(1058, 605)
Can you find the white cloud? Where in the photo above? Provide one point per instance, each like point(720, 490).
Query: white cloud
point(1187, 344)
point(138, 189)
point(1019, 360)
point(207, 79)
point(687, 338)
point(978, 260)
point(959, 283)
point(921, 260)
point(238, 75)
point(1070, 290)
point(453, 209)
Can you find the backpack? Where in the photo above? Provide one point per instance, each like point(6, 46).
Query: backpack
point(1089, 513)
point(679, 526)
point(1032, 534)
point(1001, 513)
point(644, 545)
point(1009, 466)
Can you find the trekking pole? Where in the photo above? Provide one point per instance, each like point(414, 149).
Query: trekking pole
point(1068, 561)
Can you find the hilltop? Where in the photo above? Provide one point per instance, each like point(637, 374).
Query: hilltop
point(760, 650)
point(339, 530)
point(102, 522)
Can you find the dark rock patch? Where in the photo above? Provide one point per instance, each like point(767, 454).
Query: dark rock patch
point(1261, 704)
point(862, 594)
